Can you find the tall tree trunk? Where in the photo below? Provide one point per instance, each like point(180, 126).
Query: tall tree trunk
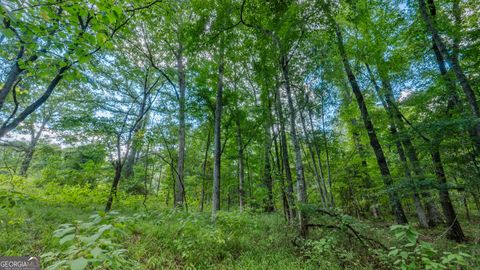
point(285, 157)
point(301, 185)
point(180, 183)
point(453, 61)
point(267, 170)
point(241, 171)
point(387, 100)
point(309, 143)
point(279, 173)
point(433, 214)
point(366, 179)
point(204, 171)
point(455, 231)
point(377, 148)
point(327, 156)
point(319, 157)
point(216, 135)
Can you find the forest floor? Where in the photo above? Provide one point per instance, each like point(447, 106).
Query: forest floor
point(145, 236)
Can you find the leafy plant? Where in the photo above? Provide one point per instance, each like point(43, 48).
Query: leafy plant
point(93, 243)
point(417, 254)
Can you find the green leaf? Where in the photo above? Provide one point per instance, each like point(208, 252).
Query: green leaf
point(96, 252)
point(78, 264)
point(66, 238)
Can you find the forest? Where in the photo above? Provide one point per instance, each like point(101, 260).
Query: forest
point(240, 134)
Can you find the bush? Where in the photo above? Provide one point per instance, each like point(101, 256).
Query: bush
point(416, 254)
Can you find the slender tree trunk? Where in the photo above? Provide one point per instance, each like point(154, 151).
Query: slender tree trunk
point(314, 162)
point(366, 179)
point(387, 105)
point(217, 133)
point(241, 171)
point(327, 156)
point(285, 157)
point(455, 231)
point(453, 61)
point(377, 148)
point(114, 188)
point(279, 173)
point(267, 170)
point(432, 211)
point(179, 183)
point(319, 157)
point(301, 185)
point(204, 171)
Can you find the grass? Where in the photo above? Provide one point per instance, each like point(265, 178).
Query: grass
point(166, 239)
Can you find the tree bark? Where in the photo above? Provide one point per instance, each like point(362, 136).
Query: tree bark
point(453, 61)
point(179, 183)
point(7, 127)
point(114, 188)
point(217, 135)
point(387, 100)
point(285, 157)
point(377, 148)
point(204, 171)
point(301, 185)
point(309, 143)
point(35, 136)
point(455, 231)
point(241, 170)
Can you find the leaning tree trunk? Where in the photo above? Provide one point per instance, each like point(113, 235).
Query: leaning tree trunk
point(453, 61)
point(377, 148)
point(387, 105)
point(114, 188)
point(432, 212)
point(455, 231)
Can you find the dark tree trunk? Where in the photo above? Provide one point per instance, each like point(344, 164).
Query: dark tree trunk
point(387, 102)
point(377, 148)
point(9, 126)
point(114, 188)
point(454, 229)
point(279, 173)
point(453, 61)
point(267, 170)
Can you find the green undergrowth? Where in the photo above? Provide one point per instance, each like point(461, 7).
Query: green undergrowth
point(70, 231)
